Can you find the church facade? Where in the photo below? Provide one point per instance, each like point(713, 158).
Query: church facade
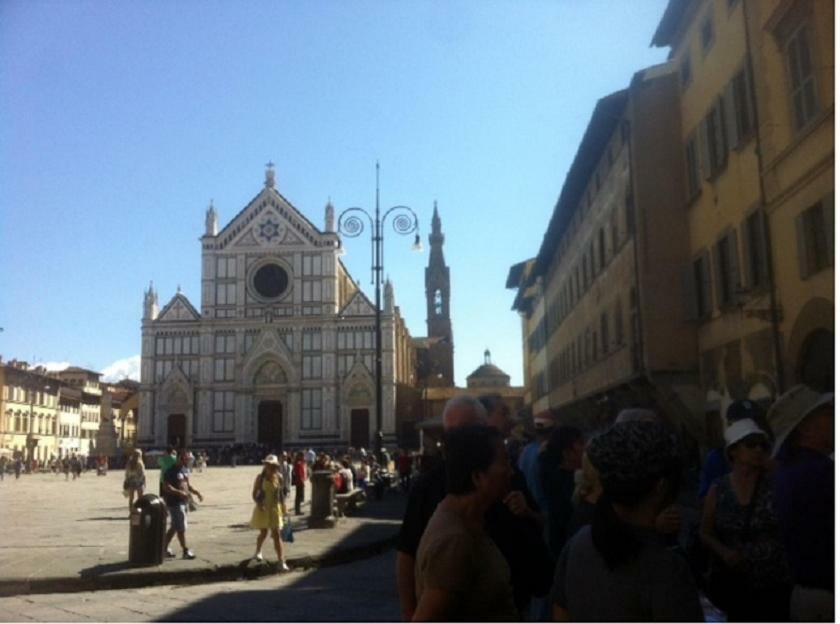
point(280, 350)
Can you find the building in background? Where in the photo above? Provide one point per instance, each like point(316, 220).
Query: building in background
point(689, 260)
point(282, 349)
point(55, 414)
point(606, 328)
point(757, 111)
point(791, 50)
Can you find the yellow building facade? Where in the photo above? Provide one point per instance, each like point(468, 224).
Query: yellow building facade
point(757, 139)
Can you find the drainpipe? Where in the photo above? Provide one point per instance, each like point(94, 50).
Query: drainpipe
point(774, 309)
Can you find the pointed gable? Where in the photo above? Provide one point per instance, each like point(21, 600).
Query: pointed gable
point(269, 221)
point(179, 308)
point(359, 305)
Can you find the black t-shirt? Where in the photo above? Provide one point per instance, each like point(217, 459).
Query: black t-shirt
point(428, 490)
point(177, 478)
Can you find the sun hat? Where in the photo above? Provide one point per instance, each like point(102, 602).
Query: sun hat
point(791, 408)
point(544, 420)
point(740, 429)
point(271, 459)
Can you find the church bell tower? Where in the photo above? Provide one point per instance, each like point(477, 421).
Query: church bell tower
point(438, 323)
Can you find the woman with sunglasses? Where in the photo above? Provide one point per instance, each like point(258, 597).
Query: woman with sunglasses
point(750, 579)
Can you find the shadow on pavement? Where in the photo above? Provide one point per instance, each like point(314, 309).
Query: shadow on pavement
point(326, 595)
point(105, 568)
point(105, 518)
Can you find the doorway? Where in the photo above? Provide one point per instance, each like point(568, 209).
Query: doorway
point(816, 362)
point(270, 425)
point(360, 428)
point(176, 430)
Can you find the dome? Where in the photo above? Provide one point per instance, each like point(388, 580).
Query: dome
point(488, 375)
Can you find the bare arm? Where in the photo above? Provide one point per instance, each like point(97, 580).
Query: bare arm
point(405, 585)
point(434, 606)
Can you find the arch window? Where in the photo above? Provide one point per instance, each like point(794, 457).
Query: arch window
point(438, 302)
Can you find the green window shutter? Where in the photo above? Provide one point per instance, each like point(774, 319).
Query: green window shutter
point(727, 103)
point(720, 135)
point(750, 272)
point(691, 303)
point(720, 295)
point(828, 221)
point(734, 269)
point(707, 283)
point(703, 149)
point(802, 247)
point(763, 269)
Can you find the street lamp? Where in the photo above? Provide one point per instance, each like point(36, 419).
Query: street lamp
point(351, 224)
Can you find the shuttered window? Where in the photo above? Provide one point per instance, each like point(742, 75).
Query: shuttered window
point(698, 288)
point(815, 237)
point(692, 167)
point(727, 270)
point(754, 247)
point(803, 82)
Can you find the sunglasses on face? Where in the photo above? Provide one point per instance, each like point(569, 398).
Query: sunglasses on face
point(755, 441)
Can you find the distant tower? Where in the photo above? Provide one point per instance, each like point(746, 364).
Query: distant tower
point(438, 323)
point(211, 221)
point(389, 296)
point(150, 303)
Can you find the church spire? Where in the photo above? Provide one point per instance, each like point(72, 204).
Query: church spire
point(211, 221)
point(438, 322)
point(329, 217)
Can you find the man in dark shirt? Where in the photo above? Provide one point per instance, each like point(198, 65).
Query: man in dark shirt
point(803, 421)
point(514, 525)
point(176, 495)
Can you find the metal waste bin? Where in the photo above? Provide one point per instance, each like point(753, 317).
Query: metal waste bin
point(148, 528)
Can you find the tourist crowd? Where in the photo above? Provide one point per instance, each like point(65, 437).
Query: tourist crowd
point(576, 527)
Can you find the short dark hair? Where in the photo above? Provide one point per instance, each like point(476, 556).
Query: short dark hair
point(468, 450)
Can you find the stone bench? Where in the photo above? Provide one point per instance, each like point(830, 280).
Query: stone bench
point(348, 501)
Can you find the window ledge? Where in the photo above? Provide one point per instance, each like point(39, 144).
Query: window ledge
point(800, 136)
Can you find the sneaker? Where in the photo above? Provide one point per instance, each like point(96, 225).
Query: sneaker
point(281, 565)
point(258, 557)
point(188, 554)
point(170, 553)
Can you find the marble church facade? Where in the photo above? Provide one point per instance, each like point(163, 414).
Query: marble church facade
point(281, 348)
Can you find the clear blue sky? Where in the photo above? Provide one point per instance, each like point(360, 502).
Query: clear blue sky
point(119, 121)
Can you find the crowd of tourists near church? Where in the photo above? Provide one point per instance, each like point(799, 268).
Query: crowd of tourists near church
point(574, 527)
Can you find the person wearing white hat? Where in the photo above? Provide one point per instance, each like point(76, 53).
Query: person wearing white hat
point(269, 509)
point(803, 420)
point(750, 578)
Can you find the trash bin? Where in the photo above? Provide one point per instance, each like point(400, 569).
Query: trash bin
point(147, 531)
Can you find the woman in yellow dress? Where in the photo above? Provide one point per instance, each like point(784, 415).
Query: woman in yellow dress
point(269, 509)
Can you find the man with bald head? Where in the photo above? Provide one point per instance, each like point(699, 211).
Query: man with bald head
point(512, 520)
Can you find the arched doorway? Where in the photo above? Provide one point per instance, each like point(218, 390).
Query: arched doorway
point(176, 430)
point(270, 425)
point(815, 367)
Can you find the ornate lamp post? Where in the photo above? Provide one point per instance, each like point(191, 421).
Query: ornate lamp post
point(351, 223)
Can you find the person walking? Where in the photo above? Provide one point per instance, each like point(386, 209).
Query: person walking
point(460, 573)
point(269, 509)
point(618, 568)
point(299, 476)
point(176, 495)
point(18, 468)
point(135, 478)
point(803, 421)
point(165, 462)
point(750, 579)
point(286, 473)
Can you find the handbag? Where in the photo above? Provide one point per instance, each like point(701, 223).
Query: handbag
point(287, 534)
